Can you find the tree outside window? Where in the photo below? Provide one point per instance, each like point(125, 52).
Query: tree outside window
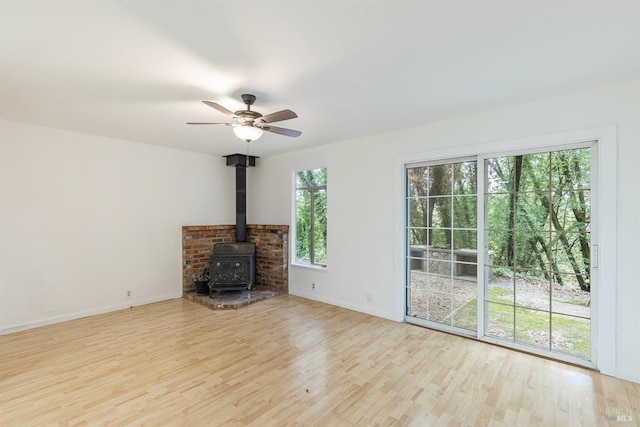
point(311, 217)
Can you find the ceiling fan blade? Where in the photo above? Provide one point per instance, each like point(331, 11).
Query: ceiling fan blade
point(207, 123)
point(282, 131)
point(278, 116)
point(220, 108)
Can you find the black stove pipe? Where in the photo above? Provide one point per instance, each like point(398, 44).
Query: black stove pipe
point(241, 162)
point(241, 203)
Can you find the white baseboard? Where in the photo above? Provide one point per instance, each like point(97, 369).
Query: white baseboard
point(77, 315)
point(628, 375)
point(349, 306)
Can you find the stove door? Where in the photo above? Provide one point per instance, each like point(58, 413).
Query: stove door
point(231, 272)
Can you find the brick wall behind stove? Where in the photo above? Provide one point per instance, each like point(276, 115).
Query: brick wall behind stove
point(272, 251)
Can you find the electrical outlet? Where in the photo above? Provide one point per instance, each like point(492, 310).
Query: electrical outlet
point(313, 285)
point(128, 294)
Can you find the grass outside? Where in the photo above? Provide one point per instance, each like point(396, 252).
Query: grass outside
point(570, 335)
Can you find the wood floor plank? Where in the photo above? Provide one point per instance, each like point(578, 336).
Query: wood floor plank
point(286, 362)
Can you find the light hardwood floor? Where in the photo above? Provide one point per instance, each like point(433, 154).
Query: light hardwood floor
point(286, 362)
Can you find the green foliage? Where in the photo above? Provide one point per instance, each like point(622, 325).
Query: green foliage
point(443, 205)
point(502, 272)
point(539, 215)
point(538, 212)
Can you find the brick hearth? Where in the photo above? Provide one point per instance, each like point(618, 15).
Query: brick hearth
point(272, 251)
point(227, 300)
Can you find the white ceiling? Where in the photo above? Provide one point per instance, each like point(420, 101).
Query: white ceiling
point(137, 70)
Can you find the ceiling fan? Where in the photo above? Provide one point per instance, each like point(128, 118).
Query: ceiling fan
point(249, 125)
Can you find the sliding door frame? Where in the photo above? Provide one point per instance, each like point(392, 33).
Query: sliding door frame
point(603, 213)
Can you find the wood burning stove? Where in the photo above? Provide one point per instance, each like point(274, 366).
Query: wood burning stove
point(233, 265)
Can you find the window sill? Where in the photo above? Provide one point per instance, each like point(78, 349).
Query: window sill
point(309, 266)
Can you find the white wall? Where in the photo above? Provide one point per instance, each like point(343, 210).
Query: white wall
point(83, 219)
point(362, 249)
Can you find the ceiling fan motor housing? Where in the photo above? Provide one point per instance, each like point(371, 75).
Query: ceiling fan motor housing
point(248, 99)
point(248, 115)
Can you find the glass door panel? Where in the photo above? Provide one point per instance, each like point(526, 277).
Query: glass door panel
point(441, 206)
point(537, 213)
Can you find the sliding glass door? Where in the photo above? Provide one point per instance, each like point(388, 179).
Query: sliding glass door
point(533, 288)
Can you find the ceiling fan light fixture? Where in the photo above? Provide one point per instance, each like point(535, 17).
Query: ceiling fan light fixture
point(247, 132)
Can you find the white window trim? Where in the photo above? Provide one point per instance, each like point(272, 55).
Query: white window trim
point(292, 230)
point(605, 213)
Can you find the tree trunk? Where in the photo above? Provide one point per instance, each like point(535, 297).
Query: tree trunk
point(578, 208)
point(513, 202)
point(439, 187)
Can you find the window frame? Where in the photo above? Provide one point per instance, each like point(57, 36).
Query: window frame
point(294, 220)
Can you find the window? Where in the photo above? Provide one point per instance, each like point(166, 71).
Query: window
point(311, 217)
